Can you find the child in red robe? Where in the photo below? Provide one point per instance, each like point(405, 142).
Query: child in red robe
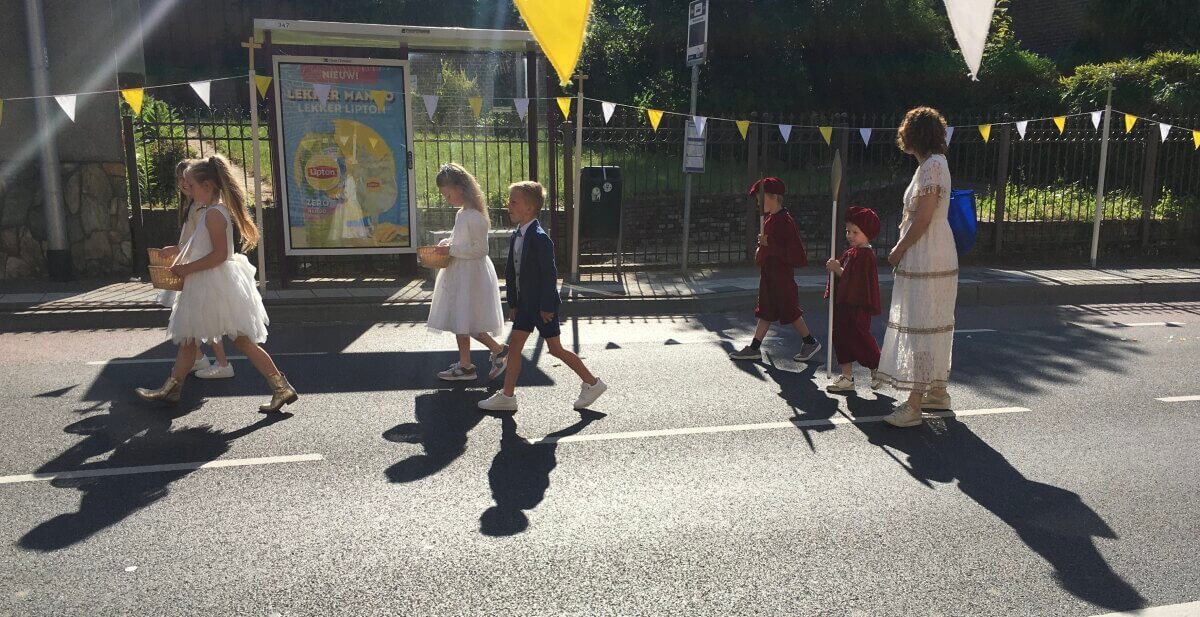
point(780, 252)
point(856, 299)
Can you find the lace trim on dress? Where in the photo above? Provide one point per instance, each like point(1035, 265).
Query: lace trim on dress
point(926, 275)
point(907, 330)
point(915, 386)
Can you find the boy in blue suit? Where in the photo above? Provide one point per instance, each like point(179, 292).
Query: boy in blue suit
point(531, 279)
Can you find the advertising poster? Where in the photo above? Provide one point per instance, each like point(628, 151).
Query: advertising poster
point(344, 144)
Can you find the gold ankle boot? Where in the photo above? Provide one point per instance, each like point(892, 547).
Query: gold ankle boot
point(282, 393)
point(168, 393)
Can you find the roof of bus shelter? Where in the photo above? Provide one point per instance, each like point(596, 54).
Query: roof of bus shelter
point(338, 34)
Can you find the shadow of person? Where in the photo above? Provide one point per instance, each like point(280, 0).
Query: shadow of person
point(520, 475)
point(806, 399)
point(107, 500)
point(1054, 522)
point(444, 419)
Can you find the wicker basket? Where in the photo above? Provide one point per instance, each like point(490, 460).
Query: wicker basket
point(157, 258)
point(160, 271)
point(429, 257)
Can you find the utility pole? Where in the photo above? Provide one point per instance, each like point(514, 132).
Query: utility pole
point(58, 252)
point(250, 45)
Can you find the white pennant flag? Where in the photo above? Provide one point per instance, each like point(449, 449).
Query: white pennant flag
point(970, 20)
point(1096, 118)
point(866, 136)
point(1021, 124)
point(67, 102)
point(608, 108)
point(1163, 129)
point(522, 106)
point(949, 134)
point(700, 122)
point(322, 91)
point(203, 90)
point(786, 131)
point(431, 103)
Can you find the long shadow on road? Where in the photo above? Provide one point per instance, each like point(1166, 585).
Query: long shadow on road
point(444, 419)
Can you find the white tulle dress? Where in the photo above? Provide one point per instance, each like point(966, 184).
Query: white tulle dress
point(220, 301)
point(919, 339)
point(167, 297)
point(466, 295)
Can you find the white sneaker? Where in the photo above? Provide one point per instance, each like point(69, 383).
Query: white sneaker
point(499, 363)
point(216, 372)
point(201, 363)
point(940, 403)
point(589, 394)
point(841, 384)
point(904, 416)
point(499, 402)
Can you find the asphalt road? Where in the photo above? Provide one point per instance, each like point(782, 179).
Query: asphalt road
point(695, 486)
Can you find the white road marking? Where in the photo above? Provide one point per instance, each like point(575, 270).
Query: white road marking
point(172, 360)
point(765, 426)
point(123, 471)
point(973, 330)
point(1149, 324)
point(1191, 609)
point(1178, 399)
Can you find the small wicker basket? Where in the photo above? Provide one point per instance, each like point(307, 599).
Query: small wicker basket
point(160, 272)
point(430, 258)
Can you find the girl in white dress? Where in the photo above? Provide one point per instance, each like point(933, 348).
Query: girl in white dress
point(466, 295)
point(219, 297)
point(188, 217)
point(919, 338)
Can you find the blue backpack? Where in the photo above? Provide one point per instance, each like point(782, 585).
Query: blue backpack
point(963, 221)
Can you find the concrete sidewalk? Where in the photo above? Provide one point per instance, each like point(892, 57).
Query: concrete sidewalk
point(39, 305)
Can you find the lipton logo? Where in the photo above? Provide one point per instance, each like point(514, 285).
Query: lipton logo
point(321, 172)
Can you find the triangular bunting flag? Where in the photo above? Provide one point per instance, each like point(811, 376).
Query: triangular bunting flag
point(1196, 139)
point(655, 117)
point(743, 126)
point(1021, 126)
point(970, 19)
point(380, 97)
point(949, 134)
point(431, 103)
point(67, 102)
point(1130, 120)
point(558, 26)
point(1, 111)
point(263, 82)
point(135, 97)
point(1163, 130)
point(986, 131)
point(564, 103)
point(786, 131)
point(699, 122)
point(522, 106)
point(203, 90)
point(1096, 118)
point(373, 141)
point(476, 103)
point(827, 133)
point(1061, 123)
point(608, 109)
point(322, 92)
point(866, 136)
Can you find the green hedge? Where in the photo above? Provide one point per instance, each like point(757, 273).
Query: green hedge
point(1166, 83)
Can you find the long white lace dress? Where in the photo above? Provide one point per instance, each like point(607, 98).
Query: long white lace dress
point(919, 339)
point(466, 295)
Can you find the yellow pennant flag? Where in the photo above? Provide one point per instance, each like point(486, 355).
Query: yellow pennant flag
point(558, 26)
point(564, 103)
point(134, 96)
point(827, 133)
point(1061, 123)
point(655, 117)
point(380, 97)
point(264, 81)
point(476, 105)
point(743, 126)
point(2, 113)
point(1130, 120)
point(1195, 135)
point(986, 131)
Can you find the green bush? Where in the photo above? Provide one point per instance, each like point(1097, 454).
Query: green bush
point(1165, 83)
point(455, 88)
point(158, 150)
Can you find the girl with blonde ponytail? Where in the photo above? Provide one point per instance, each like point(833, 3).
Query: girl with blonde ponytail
point(219, 296)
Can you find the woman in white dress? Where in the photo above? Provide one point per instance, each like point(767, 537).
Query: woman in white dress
point(920, 330)
point(219, 297)
point(466, 295)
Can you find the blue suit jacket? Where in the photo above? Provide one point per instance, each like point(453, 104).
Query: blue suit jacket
point(539, 275)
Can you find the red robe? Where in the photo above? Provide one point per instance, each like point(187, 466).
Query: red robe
point(856, 299)
point(778, 299)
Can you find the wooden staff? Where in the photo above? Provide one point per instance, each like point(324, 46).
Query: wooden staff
point(835, 182)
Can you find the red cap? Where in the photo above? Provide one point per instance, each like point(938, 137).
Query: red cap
point(865, 219)
point(772, 185)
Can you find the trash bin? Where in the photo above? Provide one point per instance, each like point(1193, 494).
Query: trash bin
point(600, 212)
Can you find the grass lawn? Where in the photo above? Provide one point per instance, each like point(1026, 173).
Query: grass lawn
point(1077, 203)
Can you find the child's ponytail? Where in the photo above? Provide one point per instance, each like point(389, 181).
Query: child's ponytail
point(219, 171)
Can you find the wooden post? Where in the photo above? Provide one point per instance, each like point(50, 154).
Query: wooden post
point(250, 46)
point(1001, 187)
point(531, 117)
point(1149, 188)
point(137, 230)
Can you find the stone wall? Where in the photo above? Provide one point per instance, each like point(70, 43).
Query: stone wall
point(97, 214)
